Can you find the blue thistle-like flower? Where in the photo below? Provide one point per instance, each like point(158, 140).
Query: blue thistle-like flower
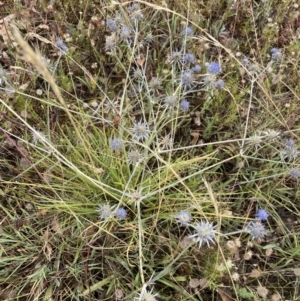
point(220, 84)
point(295, 173)
point(188, 58)
point(121, 213)
point(213, 68)
point(262, 215)
point(276, 54)
point(125, 33)
point(184, 105)
point(116, 144)
point(290, 143)
point(61, 45)
point(140, 131)
point(183, 217)
point(205, 233)
point(188, 31)
point(187, 78)
point(290, 152)
point(256, 229)
point(197, 69)
point(111, 24)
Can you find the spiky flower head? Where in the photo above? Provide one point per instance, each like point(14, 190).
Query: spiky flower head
point(134, 157)
point(116, 144)
point(170, 101)
point(213, 68)
point(262, 215)
point(271, 134)
point(184, 105)
point(220, 84)
point(140, 131)
point(136, 197)
point(38, 136)
point(183, 218)
point(290, 152)
point(256, 229)
point(111, 24)
point(125, 33)
point(61, 45)
point(187, 78)
point(197, 68)
point(187, 31)
point(147, 296)
point(121, 213)
point(295, 173)
point(276, 54)
point(205, 233)
point(167, 142)
point(155, 84)
point(175, 57)
point(111, 43)
point(255, 140)
point(149, 38)
point(105, 212)
point(290, 143)
point(188, 58)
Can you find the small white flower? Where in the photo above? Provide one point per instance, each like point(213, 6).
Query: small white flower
point(255, 140)
point(205, 233)
point(105, 212)
point(183, 217)
point(38, 136)
point(140, 131)
point(271, 134)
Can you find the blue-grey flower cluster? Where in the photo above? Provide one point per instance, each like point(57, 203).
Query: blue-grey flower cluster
point(290, 152)
point(276, 54)
point(205, 232)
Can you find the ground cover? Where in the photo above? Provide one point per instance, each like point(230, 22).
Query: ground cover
point(149, 150)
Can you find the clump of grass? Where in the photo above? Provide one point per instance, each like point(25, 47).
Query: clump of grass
point(141, 168)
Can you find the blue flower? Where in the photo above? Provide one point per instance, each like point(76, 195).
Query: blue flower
point(188, 31)
point(111, 24)
point(220, 84)
point(256, 229)
point(262, 215)
point(213, 68)
point(276, 54)
point(197, 69)
point(187, 78)
point(205, 233)
point(295, 173)
point(61, 45)
point(183, 217)
point(184, 105)
point(290, 143)
point(125, 33)
point(121, 213)
point(116, 144)
point(188, 58)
